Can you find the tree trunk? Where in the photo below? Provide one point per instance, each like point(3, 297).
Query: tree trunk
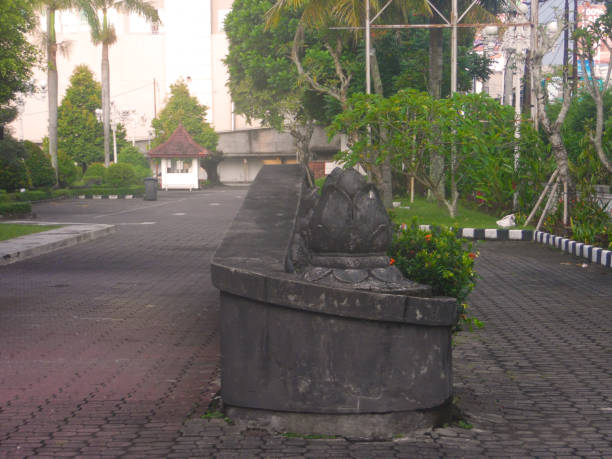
point(508, 80)
point(436, 166)
point(106, 103)
point(52, 89)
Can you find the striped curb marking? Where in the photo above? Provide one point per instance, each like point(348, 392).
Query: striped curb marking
point(594, 254)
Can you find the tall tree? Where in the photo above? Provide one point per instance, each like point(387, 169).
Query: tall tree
point(50, 9)
point(184, 108)
point(103, 33)
point(79, 132)
point(263, 81)
point(17, 55)
point(589, 38)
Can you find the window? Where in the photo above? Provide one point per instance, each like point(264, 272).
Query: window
point(179, 166)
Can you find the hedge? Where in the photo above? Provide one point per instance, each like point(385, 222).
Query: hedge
point(41, 195)
point(15, 208)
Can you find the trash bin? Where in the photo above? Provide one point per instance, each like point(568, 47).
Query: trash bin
point(150, 189)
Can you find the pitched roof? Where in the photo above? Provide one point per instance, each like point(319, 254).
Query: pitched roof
point(179, 145)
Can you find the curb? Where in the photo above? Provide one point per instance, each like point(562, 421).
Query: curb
point(32, 245)
point(490, 234)
point(594, 254)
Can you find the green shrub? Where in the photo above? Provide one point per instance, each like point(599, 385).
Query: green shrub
point(15, 208)
point(440, 259)
point(121, 174)
point(437, 258)
point(13, 171)
point(591, 223)
point(93, 180)
point(64, 193)
point(107, 190)
point(132, 155)
point(95, 170)
point(34, 195)
point(69, 172)
point(39, 166)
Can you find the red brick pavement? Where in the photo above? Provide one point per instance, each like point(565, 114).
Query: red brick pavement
point(107, 347)
point(110, 348)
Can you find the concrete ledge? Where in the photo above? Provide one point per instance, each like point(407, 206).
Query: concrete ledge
point(595, 255)
point(32, 245)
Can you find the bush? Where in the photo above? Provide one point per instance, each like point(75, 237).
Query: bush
point(39, 166)
point(68, 171)
point(132, 155)
point(437, 258)
point(15, 208)
point(591, 223)
point(13, 171)
point(93, 180)
point(35, 195)
point(95, 170)
point(121, 174)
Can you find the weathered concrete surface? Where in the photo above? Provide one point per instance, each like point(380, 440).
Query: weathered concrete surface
point(32, 245)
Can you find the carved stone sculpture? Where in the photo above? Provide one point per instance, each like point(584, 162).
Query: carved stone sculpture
point(344, 235)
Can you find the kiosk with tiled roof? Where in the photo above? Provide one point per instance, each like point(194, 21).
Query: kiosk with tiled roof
point(178, 162)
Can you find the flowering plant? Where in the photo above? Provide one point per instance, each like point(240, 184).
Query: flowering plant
point(440, 259)
point(436, 257)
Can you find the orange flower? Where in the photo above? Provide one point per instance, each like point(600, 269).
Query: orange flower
point(428, 237)
point(472, 255)
point(391, 261)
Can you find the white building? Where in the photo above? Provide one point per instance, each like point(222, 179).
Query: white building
point(144, 62)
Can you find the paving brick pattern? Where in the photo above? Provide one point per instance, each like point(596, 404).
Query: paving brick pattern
point(110, 348)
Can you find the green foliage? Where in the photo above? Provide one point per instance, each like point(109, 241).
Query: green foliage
point(80, 134)
point(17, 54)
point(472, 132)
point(591, 222)
point(35, 195)
point(15, 208)
point(262, 78)
point(13, 171)
point(68, 171)
point(184, 108)
point(132, 155)
point(437, 258)
point(121, 174)
point(95, 170)
point(10, 231)
point(39, 166)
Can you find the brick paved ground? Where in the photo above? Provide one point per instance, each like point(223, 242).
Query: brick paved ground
point(110, 348)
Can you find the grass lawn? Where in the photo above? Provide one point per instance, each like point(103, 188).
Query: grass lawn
point(11, 230)
point(430, 213)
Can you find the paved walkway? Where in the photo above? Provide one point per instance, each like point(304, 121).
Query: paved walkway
point(111, 348)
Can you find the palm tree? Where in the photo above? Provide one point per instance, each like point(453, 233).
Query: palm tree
point(103, 32)
point(50, 8)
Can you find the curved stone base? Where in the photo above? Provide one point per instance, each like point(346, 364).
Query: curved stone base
point(366, 426)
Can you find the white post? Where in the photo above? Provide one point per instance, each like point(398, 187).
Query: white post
point(114, 144)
